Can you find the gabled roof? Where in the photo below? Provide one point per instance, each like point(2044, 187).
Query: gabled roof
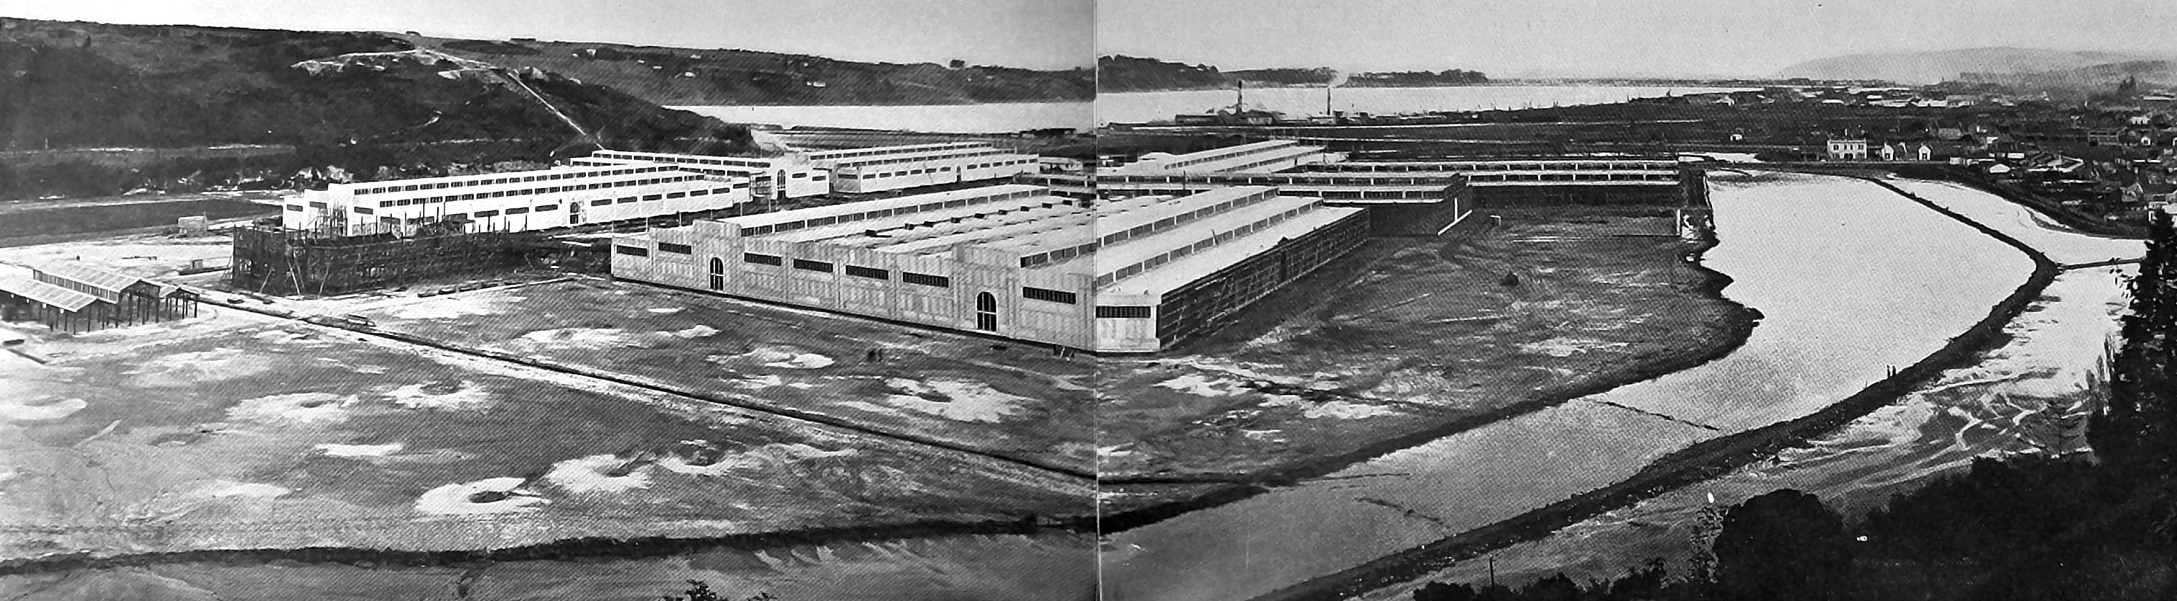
point(90, 276)
point(42, 292)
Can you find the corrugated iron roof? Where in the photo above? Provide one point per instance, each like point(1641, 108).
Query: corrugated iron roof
point(64, 298)
point(88, 275)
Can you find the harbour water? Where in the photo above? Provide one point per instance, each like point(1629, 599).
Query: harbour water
point(2023, 397)
point(1852, 280)
point(1132, 107)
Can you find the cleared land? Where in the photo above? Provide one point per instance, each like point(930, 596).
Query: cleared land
point(1412, 339)
point(1009, 399)
point(241, 431)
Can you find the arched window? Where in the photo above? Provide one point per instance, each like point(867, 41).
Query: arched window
point(986, 312)
point(718, 273)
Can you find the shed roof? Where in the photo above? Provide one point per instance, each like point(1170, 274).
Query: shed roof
point(68, 300)
point(90, 276)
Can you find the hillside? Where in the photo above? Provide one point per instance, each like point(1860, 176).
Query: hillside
point(1121, 73)
point(693, 76)
point(1937, 66)
point(2088, 79)
point(330, 104)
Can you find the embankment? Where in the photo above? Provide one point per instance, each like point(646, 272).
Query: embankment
point(1701, 461)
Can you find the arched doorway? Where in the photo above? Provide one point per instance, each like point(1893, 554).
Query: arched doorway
point(718, 273)
point(986, 312)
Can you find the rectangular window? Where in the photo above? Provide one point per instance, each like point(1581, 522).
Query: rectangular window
point(678, 249)
point(483, 214)
point(762, 259)
point(548, 208)
point(677, 195)
point(868, 272)
point(935, 281)
point(632, 251)
point(1047, 295)
point(1122, 312)
point(653, 196)
point(362, 210)
point(600, 202)
point(808, 265)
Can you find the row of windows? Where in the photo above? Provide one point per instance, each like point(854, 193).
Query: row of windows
point(906, 172)
point(1297, 179)
point(1495, 166)
point(512, 179)
point(1573, 177)
point(1123, 312)
point(680, 158)
point(649, 197)
point(853, 270)
point(1047, 295)
point(632, 251)
point(949, 156)
point(761, 230)
point(675, 248)
point(536, 191)
point(848, 154)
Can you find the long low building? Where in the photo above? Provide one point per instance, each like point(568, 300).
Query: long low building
point(72, 297)
point(869, 170)
point(779, 178)
point(516, 201)
point(1128, 276)
point(1259, 157)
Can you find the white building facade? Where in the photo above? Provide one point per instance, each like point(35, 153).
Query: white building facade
point(1130, 276)
point(517, 201)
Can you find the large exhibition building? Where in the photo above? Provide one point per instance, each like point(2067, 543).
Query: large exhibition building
point(1128, 276)
point(516, 201)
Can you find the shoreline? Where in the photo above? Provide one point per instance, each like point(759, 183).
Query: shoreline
point(1741, 321)
point(1701, 461)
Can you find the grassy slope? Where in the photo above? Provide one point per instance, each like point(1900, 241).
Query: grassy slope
point(692, 76)
point(85, 85)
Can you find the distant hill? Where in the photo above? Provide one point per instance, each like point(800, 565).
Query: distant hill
point(1936, 66)
point(697, 76)
point(2090, 79)
point(1121, 73)
point(365, 104)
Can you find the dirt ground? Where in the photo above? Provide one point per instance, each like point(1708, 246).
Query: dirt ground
point(236, 430)
point(1410, 335)
point(1010, 399)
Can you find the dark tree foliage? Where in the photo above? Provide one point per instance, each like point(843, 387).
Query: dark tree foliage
point(1784, 544)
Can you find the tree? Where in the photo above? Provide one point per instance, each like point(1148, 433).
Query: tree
point(1783, 545)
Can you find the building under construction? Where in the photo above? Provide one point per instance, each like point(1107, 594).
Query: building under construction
point(274, 260)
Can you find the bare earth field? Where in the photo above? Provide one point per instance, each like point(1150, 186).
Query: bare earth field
point(1414, 337)
point(1012, 400)
point(246, 432)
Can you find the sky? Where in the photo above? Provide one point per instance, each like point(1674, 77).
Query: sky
point(1605, 38)
point(1504, 38)
point(1037, 34)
